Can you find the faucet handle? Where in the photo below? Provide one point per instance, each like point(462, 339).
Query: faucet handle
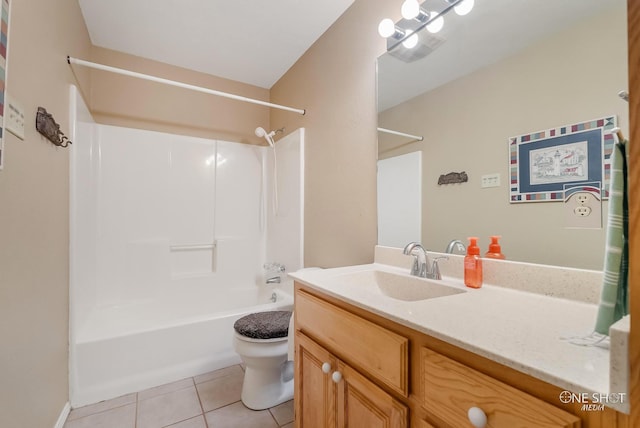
point(274, 267)
point(435, 268)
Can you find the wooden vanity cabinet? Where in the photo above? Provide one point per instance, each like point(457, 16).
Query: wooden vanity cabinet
point(393, 376)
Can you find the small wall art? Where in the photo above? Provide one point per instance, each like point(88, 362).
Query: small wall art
point(47, 126)
point(453, 178)
point(543, 163)
point(4, 36)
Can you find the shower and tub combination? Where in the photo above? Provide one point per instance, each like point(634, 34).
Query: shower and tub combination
point(169, 236)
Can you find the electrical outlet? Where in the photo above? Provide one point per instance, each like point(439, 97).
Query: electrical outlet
point(582, 211)
point(582, 198)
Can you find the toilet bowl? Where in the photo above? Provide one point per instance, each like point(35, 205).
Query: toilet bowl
point(261, 340)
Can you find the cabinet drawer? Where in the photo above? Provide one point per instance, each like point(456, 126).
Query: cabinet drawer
point(376, 350)
point(450, 389)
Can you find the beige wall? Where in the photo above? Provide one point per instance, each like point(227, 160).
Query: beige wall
point(335, 81)
point(135, 103)
point(34, 217)
point(569, 78)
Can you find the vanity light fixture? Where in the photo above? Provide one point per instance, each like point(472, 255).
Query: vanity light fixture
point(423, 16)
point(415, 17)
point(410, 9)
point(411, 40)
point(436, 22)
point(387, 28)
point(464, 7)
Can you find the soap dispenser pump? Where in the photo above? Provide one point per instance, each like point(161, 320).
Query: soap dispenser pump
point(495, 252)
point(473, 265)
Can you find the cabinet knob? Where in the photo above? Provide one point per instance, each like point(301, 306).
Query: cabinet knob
point(477, 417)
point(326, 368)
point(336, 377)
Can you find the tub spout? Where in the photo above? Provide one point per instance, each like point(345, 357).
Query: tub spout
point(274, 280)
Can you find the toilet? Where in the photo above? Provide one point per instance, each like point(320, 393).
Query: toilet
point(262, 341)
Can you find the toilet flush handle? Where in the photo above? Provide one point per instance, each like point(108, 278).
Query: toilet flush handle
point(326, 368)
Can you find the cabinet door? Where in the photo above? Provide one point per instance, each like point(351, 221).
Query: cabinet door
point(315, 393)
point(363, 404)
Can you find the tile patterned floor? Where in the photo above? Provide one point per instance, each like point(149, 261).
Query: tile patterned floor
point(211, 400)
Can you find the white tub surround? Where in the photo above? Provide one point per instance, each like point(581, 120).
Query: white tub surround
point(168, 237)
point(519, 329)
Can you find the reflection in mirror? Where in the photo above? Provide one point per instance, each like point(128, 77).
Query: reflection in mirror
point(507, 68)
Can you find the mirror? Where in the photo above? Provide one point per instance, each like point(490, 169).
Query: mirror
point(508, 68)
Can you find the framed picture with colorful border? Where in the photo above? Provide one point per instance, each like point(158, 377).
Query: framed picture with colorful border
point(542, 163)
point(4, 37)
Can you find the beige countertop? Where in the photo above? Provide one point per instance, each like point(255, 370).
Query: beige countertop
point(519, 329)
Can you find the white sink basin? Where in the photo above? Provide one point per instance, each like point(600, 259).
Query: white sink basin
point(400, 287)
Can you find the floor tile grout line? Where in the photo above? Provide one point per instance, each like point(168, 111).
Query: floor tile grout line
point(165, 393)
point(101, 411)
point(135, 421)
point(226, 405)
point(193, 385)
point(206, 424)
point(219, 377)
point(183, 420)
point(273, 417)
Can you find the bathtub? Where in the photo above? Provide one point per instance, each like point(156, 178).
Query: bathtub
point(128, 348)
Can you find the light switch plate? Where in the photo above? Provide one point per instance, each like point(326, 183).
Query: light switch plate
point(14, 118)
point(490, 180)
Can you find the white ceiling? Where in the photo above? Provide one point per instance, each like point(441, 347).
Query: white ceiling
point(493, 30)
point(251, 41)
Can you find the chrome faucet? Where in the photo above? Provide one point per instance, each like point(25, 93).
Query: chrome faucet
point(274, 280)
point(456, 245)
point(421, 266)
point(435, 268)
point(420, 261)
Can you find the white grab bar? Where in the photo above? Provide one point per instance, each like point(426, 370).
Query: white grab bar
point(192, 247)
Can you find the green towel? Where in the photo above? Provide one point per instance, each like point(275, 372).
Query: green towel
point(614, 298)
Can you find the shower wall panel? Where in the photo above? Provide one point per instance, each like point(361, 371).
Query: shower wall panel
point(285, 219)
point(173, 207)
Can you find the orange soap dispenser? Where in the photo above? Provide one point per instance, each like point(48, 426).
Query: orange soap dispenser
point(494, 249)
point(473, 265)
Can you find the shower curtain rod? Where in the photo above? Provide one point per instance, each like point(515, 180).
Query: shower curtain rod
point(402, 134)
point(71, 60)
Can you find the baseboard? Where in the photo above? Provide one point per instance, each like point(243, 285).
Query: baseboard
point(63, 416)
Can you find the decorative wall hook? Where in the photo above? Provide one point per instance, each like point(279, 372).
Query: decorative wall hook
point(47, 126)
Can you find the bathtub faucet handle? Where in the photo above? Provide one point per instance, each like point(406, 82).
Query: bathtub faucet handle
point(274, 267)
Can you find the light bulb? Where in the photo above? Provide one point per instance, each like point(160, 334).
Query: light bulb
point(437, 24)
point(411, 41)
point(386, 28)
point(464, 7)
point(410, 9)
